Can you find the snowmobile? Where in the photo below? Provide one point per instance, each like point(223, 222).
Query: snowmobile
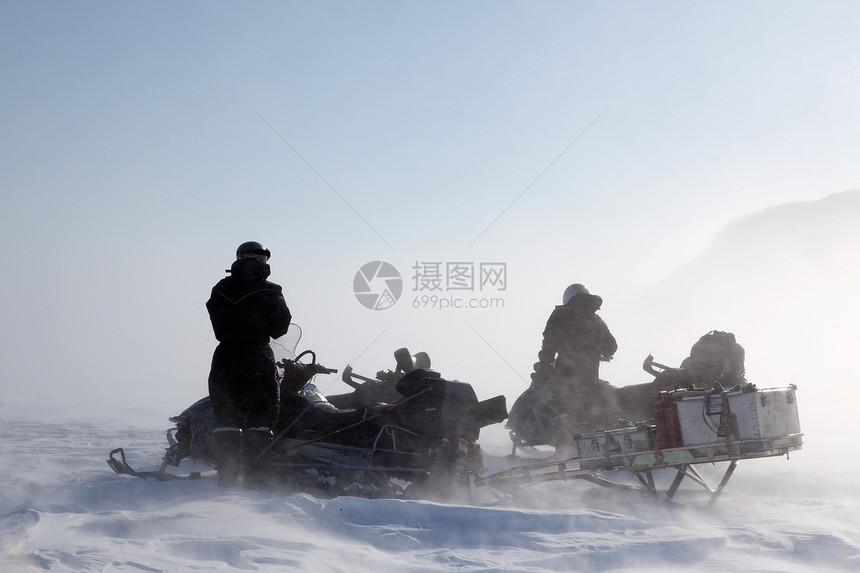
point(407, 433)
point(534, 420)
point(716, 358)
point(703, 412)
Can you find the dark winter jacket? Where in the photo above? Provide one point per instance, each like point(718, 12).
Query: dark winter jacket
point(575, 341)
point(246, 309)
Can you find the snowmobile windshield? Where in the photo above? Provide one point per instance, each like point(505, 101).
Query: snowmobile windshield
point(284, 347)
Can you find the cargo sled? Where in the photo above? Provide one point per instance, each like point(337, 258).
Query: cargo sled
point(689, 427)
point(670, 423)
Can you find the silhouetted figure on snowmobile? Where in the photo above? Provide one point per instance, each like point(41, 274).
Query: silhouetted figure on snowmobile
point(246, 310)
point(575, 341)
point(716, 362)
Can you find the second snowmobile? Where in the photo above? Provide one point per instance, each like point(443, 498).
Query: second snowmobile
point(716, 358)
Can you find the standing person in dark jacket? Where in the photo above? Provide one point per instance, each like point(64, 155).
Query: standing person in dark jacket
point(575, 341)
point(246, 311)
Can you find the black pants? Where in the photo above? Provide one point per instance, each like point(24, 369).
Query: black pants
point(243, 387)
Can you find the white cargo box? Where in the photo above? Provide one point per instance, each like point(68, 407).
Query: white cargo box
point(610, 446)
point(713, 418)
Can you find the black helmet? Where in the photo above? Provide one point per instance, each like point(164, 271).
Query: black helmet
point(253, 249)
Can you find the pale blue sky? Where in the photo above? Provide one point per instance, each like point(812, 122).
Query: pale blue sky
point(142, 141)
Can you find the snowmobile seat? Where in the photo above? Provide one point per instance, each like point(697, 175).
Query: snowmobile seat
point(322, 417)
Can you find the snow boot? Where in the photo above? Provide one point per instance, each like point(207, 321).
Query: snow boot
point(228, 444)
point(562, 431)
point(255, 469)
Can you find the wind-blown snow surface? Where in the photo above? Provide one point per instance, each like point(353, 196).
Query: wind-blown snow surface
point(62, 509)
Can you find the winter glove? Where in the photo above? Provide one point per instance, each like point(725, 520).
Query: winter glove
point(296, 375)
point(541, 374)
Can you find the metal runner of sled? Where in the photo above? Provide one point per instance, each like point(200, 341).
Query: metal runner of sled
point(691, 427)
point(641, 465)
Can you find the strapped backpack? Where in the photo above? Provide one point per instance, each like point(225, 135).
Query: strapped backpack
point(716, 357)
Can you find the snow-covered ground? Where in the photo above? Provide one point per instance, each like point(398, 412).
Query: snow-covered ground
point(63, 509)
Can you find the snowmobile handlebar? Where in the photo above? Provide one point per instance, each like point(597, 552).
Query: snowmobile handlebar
point(650, 366)
point(322, 369)
point(313, 365)
point(349, 377)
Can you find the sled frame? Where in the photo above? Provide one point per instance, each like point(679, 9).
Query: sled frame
point(642, 465)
